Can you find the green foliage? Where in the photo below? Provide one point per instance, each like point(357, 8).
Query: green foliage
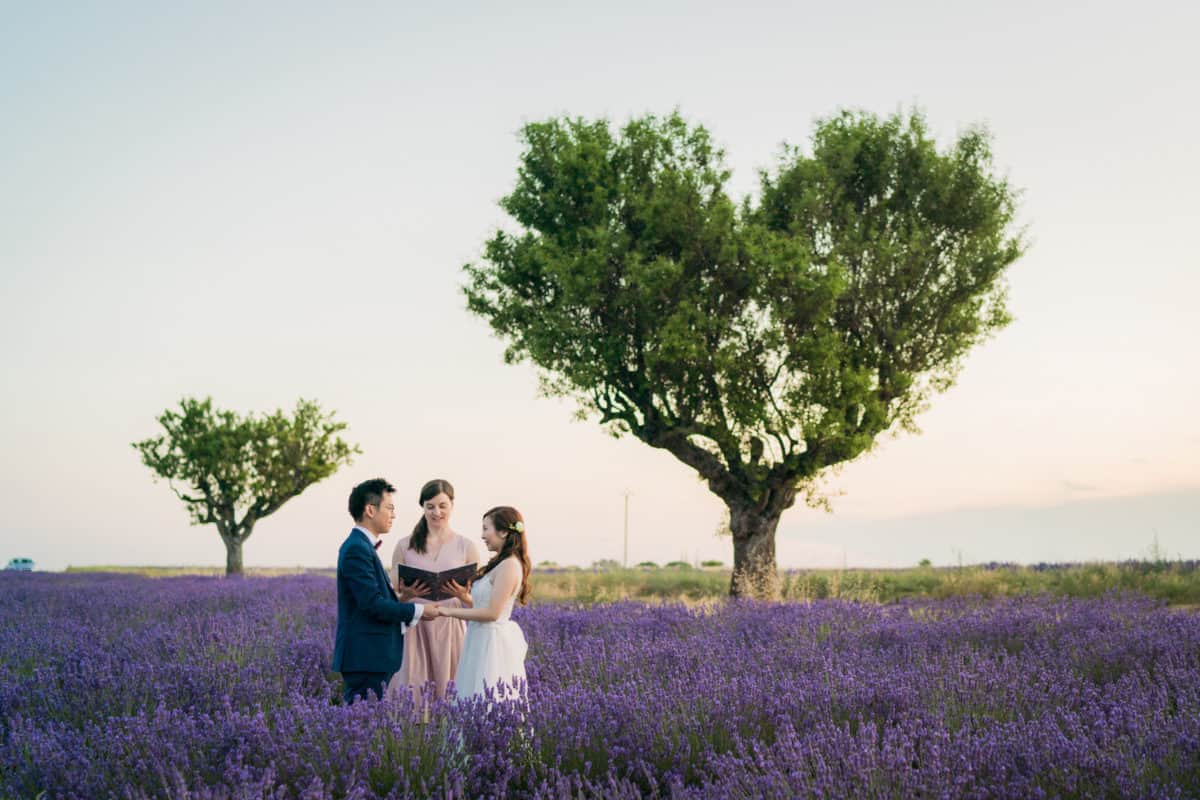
point(231, 471)
point(761, 343)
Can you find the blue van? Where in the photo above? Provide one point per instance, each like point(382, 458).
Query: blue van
point(20, 564)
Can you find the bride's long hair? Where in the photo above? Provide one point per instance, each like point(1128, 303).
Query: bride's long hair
point(507, 520)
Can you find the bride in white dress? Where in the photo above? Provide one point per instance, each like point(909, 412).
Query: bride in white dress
point(493, 653)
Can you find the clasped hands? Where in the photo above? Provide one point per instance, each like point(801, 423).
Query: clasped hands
point(408, 592)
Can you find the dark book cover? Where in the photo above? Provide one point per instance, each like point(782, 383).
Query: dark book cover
point(436, 581)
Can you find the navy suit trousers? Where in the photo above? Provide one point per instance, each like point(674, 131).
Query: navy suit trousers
point(358, 684)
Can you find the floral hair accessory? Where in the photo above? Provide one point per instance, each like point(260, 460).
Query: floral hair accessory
point(517, 526)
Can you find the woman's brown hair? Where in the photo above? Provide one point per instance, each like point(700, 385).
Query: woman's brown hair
point(421, 530)
point(507, 520)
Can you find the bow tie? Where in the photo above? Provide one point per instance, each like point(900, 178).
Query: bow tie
point(378, 542)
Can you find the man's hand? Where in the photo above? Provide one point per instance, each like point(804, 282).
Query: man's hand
point(431, 612)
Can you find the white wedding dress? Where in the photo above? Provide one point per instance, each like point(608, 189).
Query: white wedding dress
point(493, 652)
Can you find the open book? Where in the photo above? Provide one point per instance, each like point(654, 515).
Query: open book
point(436, 581)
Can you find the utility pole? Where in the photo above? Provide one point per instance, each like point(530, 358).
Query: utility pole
point(625, 558)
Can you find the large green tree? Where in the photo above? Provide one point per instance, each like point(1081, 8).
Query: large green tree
point(231, 471)
point(759, 343)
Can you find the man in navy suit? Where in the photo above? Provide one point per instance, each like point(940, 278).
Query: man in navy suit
point(371, 621)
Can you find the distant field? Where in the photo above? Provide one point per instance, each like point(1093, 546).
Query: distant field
point(173, 572)
point(1174, 582)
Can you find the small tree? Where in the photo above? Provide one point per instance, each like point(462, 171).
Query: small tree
point(759, 344)
point(237, 470)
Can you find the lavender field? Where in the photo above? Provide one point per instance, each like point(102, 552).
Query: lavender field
point(132, 687)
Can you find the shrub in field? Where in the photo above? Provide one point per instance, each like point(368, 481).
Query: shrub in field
point(123, 686)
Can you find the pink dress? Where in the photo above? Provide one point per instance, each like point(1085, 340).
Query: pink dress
point(431, 649)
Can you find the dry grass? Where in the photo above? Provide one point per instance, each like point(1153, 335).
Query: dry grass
point(1174, 582)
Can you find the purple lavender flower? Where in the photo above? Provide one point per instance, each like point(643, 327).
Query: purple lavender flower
point(122, 686)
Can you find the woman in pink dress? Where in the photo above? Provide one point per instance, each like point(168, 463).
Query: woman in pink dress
point(431, 649)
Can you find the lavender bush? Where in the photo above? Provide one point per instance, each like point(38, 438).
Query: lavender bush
point(123, 686)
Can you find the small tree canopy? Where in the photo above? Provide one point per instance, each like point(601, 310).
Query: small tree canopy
point(231, 471)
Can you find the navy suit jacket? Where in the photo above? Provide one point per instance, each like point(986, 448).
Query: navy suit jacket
point(369, 637)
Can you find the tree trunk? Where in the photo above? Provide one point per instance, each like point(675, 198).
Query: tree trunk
point(233, 555)
point(755, 574)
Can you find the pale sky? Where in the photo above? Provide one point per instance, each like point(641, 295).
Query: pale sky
point(267, 203)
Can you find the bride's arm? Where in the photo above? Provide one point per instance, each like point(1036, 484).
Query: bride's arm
point(508, 575)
